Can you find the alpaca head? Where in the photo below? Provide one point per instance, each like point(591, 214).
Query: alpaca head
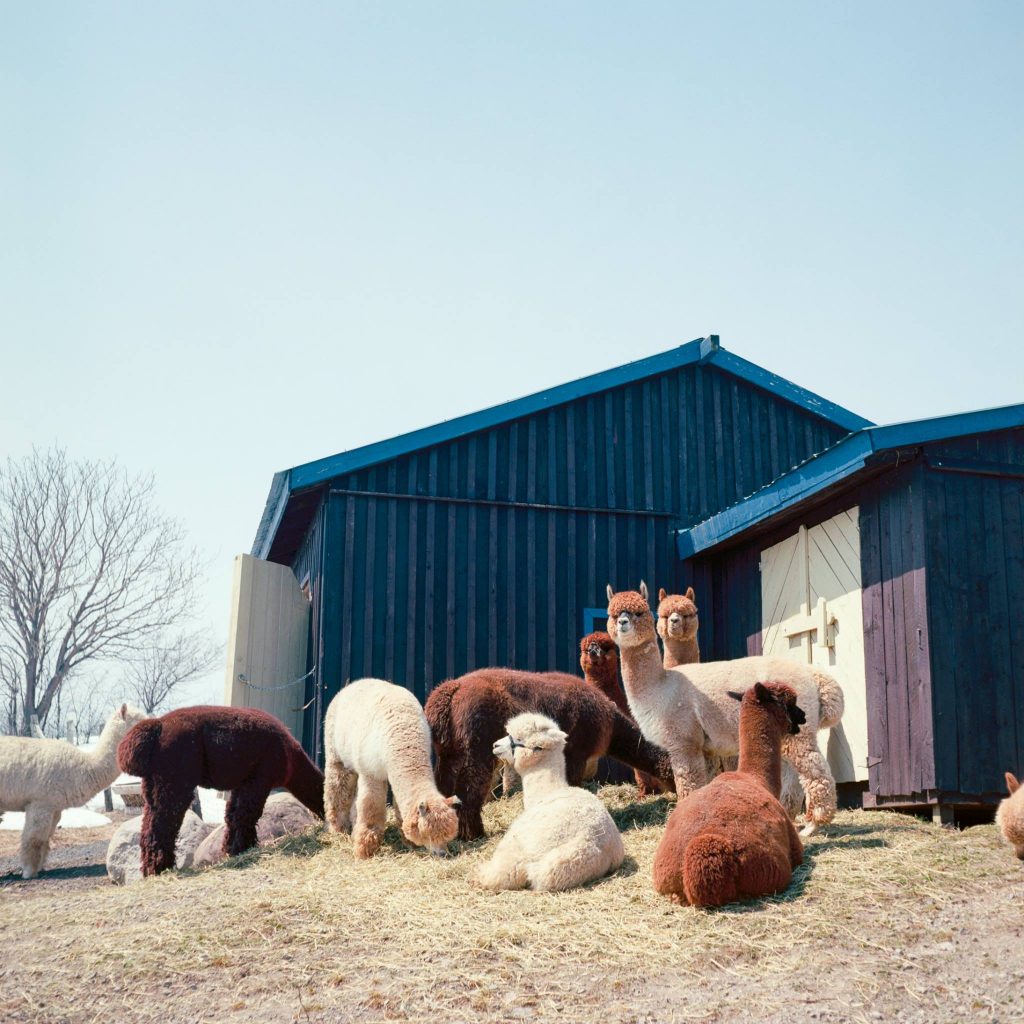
point(531, 739)
point(677, 615)
point(630, 623)
point(777, 700)
point(434, 824)
point(598, 655)
point(122, 720)
point(1010, 815)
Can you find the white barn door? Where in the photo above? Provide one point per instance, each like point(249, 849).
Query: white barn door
point(267, 641)
point(811, 611)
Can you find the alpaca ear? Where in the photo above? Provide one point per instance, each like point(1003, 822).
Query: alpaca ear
point(735, 695)
point(661, 594)
point(423, 809)
point(761, 692)
point(453, 801)
point(611, 593)
point(690, 595)
point(643, 591)
point(124, 711)
point(1011, 782)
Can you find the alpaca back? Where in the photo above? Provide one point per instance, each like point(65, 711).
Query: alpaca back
point(40, 769)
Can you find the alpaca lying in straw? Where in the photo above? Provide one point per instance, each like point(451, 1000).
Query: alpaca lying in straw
point(244, 750)
point(468, 715)
point(599, 659)
point(375, 733)
point(687, 710)
point(45, 777)
point(1010, 815)
point(564, 837)
point(732, 839)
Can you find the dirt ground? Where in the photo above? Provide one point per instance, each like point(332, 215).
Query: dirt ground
point(889, 918)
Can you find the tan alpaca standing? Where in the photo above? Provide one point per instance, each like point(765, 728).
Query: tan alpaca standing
point(375, 733)
point(1010, 815)
point(565, 836)
point(45, 777)
point(687, 710)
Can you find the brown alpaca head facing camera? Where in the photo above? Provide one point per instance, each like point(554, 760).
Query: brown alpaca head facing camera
point(778, 700)
point(630, 622)
point(598, 654)
point(677, 615)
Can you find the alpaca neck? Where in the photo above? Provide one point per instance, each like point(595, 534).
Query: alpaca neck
point(543, 779)
point(760, 749)
point(607, 681)
point(102, 759)
point(641, 666)
point(681, 652)
point(410, 788)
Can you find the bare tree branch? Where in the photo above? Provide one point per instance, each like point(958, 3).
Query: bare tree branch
point(89, 570)
point(160, 670)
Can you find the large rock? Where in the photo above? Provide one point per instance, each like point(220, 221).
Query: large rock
point(283, 815)
point(123, 854)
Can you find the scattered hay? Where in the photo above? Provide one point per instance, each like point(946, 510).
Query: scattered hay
point(303, 931)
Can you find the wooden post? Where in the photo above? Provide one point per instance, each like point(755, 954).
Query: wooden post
point(108, 800)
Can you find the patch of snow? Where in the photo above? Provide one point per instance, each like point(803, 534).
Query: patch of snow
point(213, 806)
point(73, 817)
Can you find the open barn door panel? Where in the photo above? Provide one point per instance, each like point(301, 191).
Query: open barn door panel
point(811, 612)
point(267, 641)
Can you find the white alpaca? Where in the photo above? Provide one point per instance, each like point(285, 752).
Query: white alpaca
point(564, 837)
point(687, 710)
point(376, 733)
point(1010, 815)
point(44, 777)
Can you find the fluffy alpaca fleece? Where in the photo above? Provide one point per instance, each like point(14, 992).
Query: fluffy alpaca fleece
point(468, 715)
point(732, 839)
point(376, 733)
point(1010, 815)
point(677, 626)
point(244, 750)
point(687, 710)
point(599, 659)
point(45, 777)
point(564, 837)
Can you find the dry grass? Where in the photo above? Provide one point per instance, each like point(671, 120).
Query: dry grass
point(888, 915)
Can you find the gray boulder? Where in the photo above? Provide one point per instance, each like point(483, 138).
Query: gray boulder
point(123, 856)
point(283, 815)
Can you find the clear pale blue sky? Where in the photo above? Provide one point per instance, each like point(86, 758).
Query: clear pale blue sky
point(237, 237)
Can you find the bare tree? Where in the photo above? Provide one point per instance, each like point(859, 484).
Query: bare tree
point(159, 670)
point(89, 570)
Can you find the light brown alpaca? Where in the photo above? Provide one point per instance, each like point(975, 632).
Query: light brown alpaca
point(687, 711)
point(677, 627)
point(1010, 815)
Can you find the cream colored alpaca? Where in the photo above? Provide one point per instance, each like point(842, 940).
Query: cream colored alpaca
point(1010, 815)
point(564, 837)
point(678, 624)
point(688, 712)
point(44, 777)
point(375, 733)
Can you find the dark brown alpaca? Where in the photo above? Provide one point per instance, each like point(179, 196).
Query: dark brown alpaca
point(468, 715)
point(732, 839)
point(243, 750)
point(599, 659)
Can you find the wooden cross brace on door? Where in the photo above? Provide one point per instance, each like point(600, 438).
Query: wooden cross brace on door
point(820, 622)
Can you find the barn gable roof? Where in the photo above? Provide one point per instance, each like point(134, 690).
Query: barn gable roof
point(704, 351)
point(838, 466)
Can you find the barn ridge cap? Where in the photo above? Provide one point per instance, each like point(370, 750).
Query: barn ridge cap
point(835, 465)
point(706, 351)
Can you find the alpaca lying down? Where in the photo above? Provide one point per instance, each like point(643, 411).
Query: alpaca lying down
point(565, 837)
point(1010, 815)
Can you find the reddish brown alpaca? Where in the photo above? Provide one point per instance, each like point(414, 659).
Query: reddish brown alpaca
point(732, 839)
point(241, 749)
point(599, 659)
point(468, 715)
point(677, 627)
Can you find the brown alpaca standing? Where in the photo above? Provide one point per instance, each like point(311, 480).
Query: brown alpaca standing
point(733, 840)
point(599, 659)
point(677, 627)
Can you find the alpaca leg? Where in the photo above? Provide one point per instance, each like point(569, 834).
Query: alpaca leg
point(162, 816)
point(792, 795)
point(339, 793)
point(471, 783)
point(242, 814)
point(371, 816)
point(40, 821)
point(575, 769)
point(688, 770)
point(509, 778)
point(819, 787)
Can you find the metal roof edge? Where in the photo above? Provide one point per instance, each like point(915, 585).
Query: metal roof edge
point(273, 513)
point(833, 465)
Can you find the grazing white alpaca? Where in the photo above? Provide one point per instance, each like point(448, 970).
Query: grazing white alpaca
point(44, 777)
point(564, 837)
point(376, 733)
point(687, 710)
point(1010, 815)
